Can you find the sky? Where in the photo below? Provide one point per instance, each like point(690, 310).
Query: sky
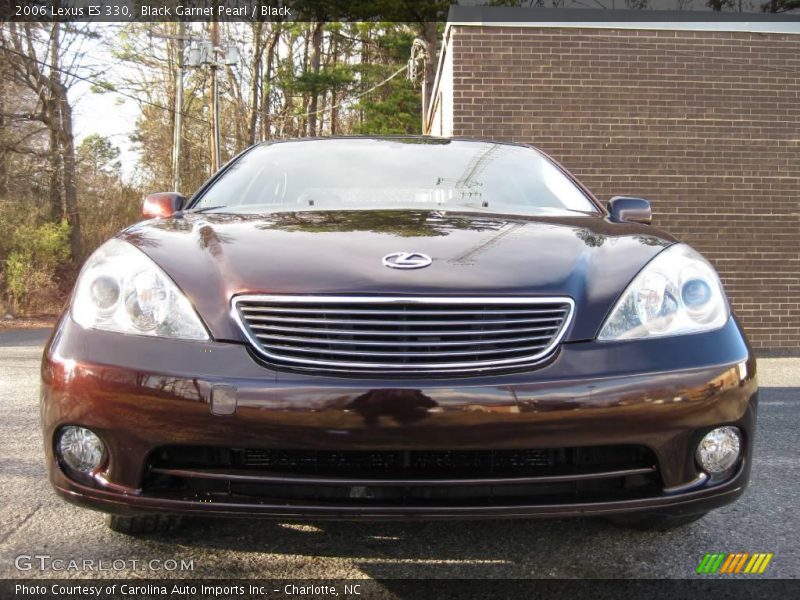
point(109, 114)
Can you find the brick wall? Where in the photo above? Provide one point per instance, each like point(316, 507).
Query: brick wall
point(704, 124)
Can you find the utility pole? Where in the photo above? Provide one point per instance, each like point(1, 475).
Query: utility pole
point(177, 135)
point(420, 56)
point(209, 54)
point(178, 126)
point(216, 158)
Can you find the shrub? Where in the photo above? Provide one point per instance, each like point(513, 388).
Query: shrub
point(35, 254)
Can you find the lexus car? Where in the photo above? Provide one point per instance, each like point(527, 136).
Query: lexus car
point(397, 328)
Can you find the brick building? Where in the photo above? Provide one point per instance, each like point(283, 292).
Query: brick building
point(703, 119)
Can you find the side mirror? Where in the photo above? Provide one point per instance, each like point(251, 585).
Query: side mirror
point(162, 204)
point(630, 210)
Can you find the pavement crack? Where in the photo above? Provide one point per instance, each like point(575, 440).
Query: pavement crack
point(20, 524)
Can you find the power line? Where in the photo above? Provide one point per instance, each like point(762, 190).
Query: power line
point(111, 88)
point(354, 98)
point(106, 86)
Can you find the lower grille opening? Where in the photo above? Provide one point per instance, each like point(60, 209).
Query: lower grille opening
point(403, 477)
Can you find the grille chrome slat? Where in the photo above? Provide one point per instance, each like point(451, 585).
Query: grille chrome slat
point(408, 334)
point(402, 355)
point(424, 333)
point(395, 343)
point(340, 311)
point(395, 323)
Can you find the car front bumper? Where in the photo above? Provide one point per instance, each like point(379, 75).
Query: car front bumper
point(141, 394)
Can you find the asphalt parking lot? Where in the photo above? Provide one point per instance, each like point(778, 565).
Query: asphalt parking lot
point(33, 521)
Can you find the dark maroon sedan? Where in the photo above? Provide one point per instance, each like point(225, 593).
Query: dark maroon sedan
point(391, 329)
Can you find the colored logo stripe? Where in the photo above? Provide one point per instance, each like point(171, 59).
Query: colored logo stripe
point(710, 563)
point(734, 563)
point(702, 568)
point(728, 562)
point(725, 563)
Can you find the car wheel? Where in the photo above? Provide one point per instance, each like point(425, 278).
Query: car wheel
point(143, 525)
point(654, 522)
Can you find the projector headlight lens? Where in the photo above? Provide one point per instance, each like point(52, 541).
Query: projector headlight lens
point(104, 292)
point(719, 450)
point(696, 294)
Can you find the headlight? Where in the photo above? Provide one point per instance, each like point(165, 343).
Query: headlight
point(677, 292)
point(121, 289)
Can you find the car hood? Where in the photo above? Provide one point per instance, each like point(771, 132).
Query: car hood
point(212, 257)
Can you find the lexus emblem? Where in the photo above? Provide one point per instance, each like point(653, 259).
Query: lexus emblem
point(406, 260)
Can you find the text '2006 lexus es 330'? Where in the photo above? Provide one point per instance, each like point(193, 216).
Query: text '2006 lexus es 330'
point(394, 328)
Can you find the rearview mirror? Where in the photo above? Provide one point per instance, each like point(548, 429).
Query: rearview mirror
point(162, 204)
point(630, 210)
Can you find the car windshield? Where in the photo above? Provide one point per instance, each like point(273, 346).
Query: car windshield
point(414, 173)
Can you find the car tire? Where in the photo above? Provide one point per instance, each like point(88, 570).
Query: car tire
point(654, 522)
point(143, 524)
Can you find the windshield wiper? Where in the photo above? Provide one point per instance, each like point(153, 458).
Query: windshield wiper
point(205, 209)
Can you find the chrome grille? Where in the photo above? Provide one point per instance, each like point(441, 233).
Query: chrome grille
point(402, 334)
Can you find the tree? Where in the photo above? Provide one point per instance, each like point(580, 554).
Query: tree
point(720, 5)
point(394, 108)
point(97, 154)
point(107, 204)
point(780, 6)
point(314, 64)
point(36, 61)
point(98, 165)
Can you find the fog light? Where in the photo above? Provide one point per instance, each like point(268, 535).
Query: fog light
point(719, 450)
point(80, 449)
